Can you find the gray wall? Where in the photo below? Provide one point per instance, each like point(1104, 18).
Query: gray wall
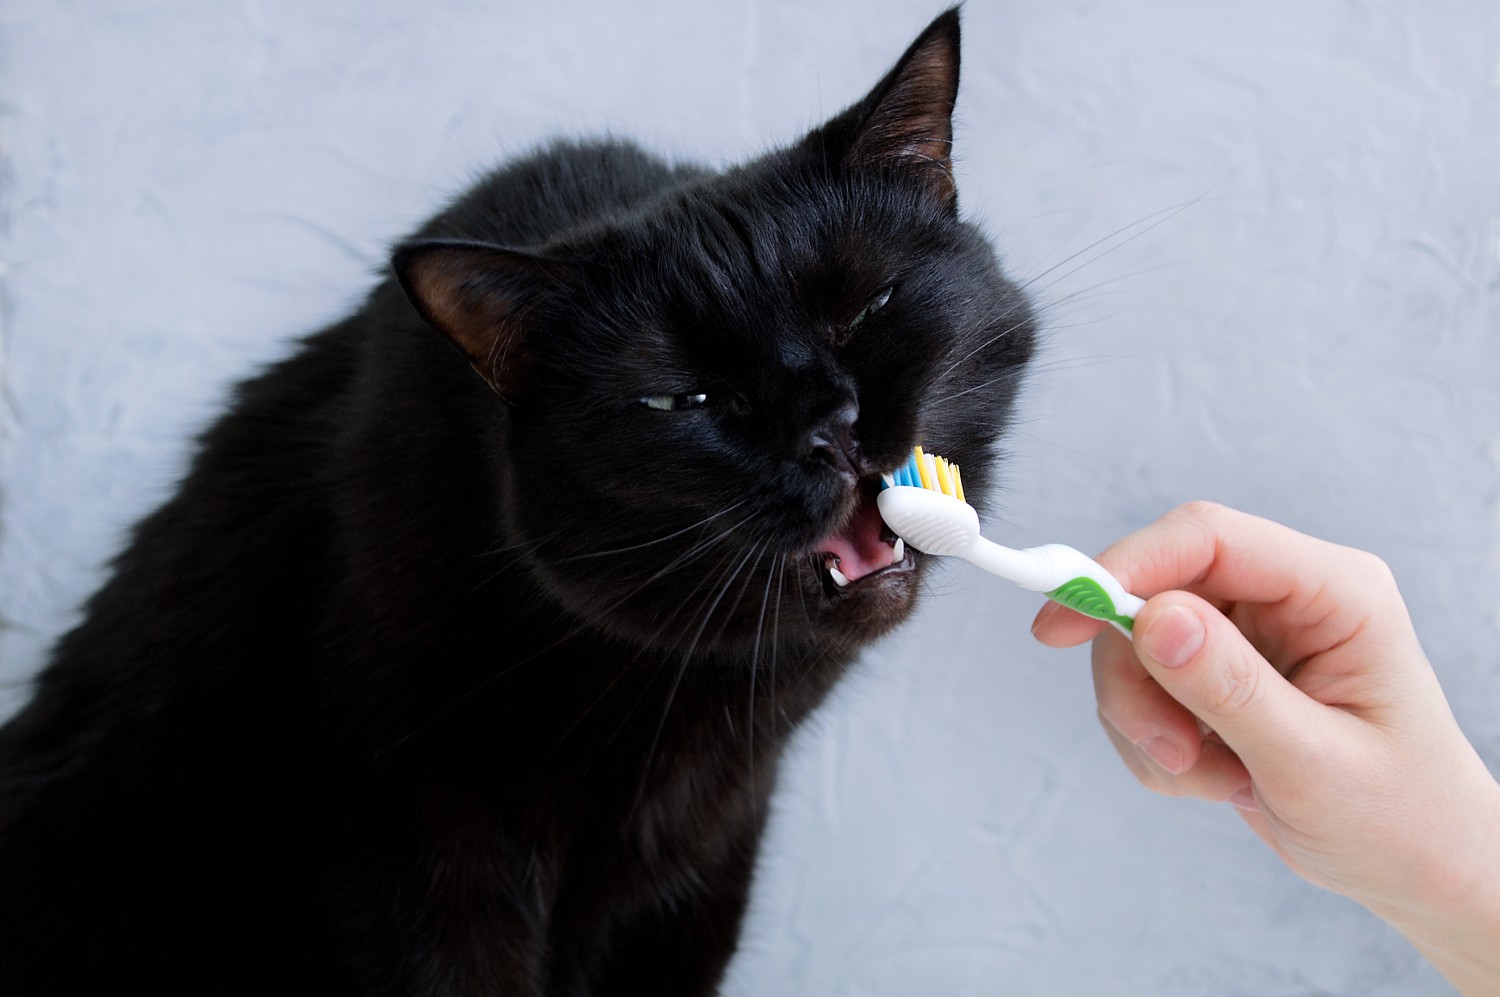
point(1267, 239)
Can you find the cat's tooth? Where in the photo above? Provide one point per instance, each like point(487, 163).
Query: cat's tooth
point(838, 576)
point(898, 551)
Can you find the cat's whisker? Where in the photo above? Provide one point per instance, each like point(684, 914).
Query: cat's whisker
point(687, 657)
point(1009, 330)
point(666, 623)
point(760, 626)
point(520, 547)
point(697, 550)
point(1048, 305)
point(690, 605)
point(727, 616)
point(969, 390)
point(649, 543)
point(525, 546)
point(1169, 211)
point(1051, 327)
point(776, 644)
point(812, 663)
point(1161, 216)
point(801, 591)
point(1073, 363)
point(1035, 369)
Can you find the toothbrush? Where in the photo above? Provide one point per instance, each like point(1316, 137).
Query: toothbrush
point(923, 504)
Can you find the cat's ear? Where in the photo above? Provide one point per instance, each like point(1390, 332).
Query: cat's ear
point(478, 296)
point(906, 122)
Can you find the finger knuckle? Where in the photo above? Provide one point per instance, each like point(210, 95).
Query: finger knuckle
point(1200, 511)
point(1147, 773)
point(1115, 725)
point(1164, 785)
point(1233, 688)
point(1374, 569)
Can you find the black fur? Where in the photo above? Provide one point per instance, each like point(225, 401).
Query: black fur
point(429, 682)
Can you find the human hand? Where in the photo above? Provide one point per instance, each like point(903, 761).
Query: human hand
point(1281, 673)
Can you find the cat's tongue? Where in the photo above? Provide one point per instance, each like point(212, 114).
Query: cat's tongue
point(860, 546)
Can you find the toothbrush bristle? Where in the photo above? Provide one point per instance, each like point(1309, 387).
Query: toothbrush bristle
point(924, 465)
point(929, 471)
point(945, 481)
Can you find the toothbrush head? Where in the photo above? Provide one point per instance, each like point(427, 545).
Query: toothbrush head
point(929, 471)
point(923, 504)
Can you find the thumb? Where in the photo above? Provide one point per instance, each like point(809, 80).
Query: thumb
point(1203, 661)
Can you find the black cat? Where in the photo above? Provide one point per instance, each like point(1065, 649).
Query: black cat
point(436, 682)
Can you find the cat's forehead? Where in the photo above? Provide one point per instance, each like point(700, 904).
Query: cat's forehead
point(792, 213)
point(749, 274)
point(748, 239)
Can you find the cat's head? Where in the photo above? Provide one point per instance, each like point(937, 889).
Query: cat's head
point(703, 390)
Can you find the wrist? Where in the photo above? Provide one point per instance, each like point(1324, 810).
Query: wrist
point(1455, 922)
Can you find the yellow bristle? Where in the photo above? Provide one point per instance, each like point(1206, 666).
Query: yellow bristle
point(958, 484)
point(945, 480)
point(922, 468)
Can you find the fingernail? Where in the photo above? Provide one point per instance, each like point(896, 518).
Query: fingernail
point(1173, 638)
point(1167, 754)
point(1245, 800)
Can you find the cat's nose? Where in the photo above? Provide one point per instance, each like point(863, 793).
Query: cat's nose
point(833, 440)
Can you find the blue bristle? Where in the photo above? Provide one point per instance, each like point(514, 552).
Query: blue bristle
point(907, 474)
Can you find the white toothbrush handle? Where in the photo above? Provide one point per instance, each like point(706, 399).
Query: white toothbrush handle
point(1013, 565)
point(1067, 576)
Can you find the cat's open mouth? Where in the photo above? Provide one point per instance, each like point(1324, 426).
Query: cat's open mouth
point(862, 549)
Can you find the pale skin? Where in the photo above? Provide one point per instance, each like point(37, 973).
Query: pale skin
point(1281, 673)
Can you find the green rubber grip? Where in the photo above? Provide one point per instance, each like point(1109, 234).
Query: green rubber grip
point(1086, 596)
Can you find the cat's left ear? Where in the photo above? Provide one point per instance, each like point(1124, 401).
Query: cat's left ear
point(906, 122)
point(478, 296)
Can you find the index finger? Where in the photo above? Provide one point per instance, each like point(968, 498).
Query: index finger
point(1318, 592)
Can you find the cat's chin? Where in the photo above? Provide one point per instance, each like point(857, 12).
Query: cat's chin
point(870, 606)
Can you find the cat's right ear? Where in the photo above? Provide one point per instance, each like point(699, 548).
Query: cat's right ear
point(905, 124)
point(478, 296)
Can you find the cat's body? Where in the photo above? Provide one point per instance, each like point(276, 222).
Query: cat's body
point(428, 685)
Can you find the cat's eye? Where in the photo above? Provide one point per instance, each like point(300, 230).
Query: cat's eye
point(675, 403)
point(876, 303)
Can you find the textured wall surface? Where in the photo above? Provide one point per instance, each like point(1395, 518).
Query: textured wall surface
point(1267, 237)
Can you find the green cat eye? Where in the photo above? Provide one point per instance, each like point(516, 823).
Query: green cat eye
point(877, 303)
point(674, 403)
